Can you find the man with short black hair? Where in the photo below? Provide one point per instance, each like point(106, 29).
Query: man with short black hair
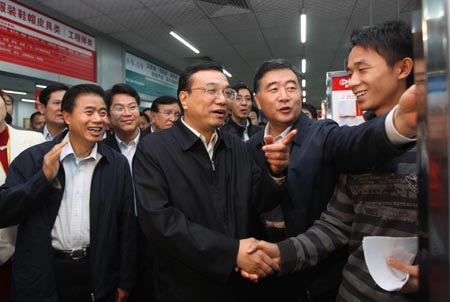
point(381, 201)
point(50, 106)
point(165, 111)
point(197, 191)
point(37, 121)
point(73, 200)
point(122, 103)
point(239, 122)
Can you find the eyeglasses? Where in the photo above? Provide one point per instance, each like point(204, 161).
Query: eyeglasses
point(212, 92)
point(121, 109)
point(175, 114)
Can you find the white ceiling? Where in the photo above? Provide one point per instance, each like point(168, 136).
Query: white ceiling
point(240, 34)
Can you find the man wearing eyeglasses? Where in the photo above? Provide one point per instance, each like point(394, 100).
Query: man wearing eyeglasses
point(122, 103)
point(164, 112)
point(239, 122)
point(50, 106)
point(197, 191)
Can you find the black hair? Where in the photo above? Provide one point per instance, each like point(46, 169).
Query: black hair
point(34, 114)
point(68, 101)
point(256, 110)
point(146, 109)
point(144, 116)
point(184, 83)
point(120, 89)
point(46, 93)
point(392, 40)
point(163, 100)
point(270, 65)
point(311, 109)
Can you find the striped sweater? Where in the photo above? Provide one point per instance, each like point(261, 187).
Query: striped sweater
point(381, 203)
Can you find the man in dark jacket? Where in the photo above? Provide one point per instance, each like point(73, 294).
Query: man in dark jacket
point(239, 122)
point(197, 190)
point(73, 200)
point(319, 151)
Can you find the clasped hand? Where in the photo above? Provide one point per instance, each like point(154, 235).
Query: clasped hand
point(257, 259)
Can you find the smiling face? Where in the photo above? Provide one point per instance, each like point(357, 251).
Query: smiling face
point(279, 98)
point(376, 85)
point(87, 121)
point(202, 112)
point(124, 114)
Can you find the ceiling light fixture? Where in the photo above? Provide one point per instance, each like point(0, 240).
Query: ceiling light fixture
point(182, 40)
point(303, 26)
point(226, 73)
point(28, 101)
point(303, 83)
point(41, 86)
point(304, 93)
point(303, 65)
point(15, 92)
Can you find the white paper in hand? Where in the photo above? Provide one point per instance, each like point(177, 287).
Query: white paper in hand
point(378, 248)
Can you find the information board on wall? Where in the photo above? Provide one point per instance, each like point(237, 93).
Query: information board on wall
point(32, 39)
point(344, 108)
point(148, 79)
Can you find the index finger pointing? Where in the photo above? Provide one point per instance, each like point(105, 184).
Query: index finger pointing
point(288, 138)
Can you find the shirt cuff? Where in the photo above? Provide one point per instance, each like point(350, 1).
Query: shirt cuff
point(393, 135)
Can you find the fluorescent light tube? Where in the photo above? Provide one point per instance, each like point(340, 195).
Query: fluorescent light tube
point(15, 92)
point(28, 101)
point(179, 38)
point(41, 86)
point(226, 73)
point(303, 27)
point(303, 65)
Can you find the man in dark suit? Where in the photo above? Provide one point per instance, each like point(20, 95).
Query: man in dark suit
point(122, 103)
point(319, 152)
point(197, 190)
point(73, 200)
point(50, 106)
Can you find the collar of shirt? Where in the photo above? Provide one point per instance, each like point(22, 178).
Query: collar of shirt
point(68, 150)
point(279, 136)
point(212, 143)
point(124, 145)
point(47, 135)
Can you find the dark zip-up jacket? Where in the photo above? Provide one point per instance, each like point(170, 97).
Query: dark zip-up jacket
point(194, 210)
point(28, 199)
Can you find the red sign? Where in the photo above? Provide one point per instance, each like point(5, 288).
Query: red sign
point(31, 39)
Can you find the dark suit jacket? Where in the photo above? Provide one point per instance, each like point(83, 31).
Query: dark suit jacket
point(28, 199)
point(111, 141)
point(195, 210)
point(319, 152)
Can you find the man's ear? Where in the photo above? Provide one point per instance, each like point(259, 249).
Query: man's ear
point(405, 67)
point(41, 108)
point(183, 95)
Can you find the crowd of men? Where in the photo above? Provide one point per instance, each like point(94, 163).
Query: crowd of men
point(203, 204)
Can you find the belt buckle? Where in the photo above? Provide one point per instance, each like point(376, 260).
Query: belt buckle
point(78, 254)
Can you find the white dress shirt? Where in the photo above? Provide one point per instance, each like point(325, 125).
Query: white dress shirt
point(128, 150)
point(72, 226)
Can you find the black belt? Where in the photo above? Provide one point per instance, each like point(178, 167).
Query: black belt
point(76, 254)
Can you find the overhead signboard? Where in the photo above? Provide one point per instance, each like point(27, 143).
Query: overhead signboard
point(148, 79)
point(32, 39)
point(344, 108)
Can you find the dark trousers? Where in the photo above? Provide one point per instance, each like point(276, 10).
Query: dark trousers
point(73, 282)
point(5, 282)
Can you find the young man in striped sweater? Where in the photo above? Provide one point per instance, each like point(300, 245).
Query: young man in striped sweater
point(382, 202)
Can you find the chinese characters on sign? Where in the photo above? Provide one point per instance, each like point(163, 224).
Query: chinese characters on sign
point(150, 80)
point(31, 39)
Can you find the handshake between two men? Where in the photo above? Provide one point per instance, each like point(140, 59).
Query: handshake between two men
point(257, 259)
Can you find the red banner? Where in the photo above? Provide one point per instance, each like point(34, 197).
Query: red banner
point(31, 39)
